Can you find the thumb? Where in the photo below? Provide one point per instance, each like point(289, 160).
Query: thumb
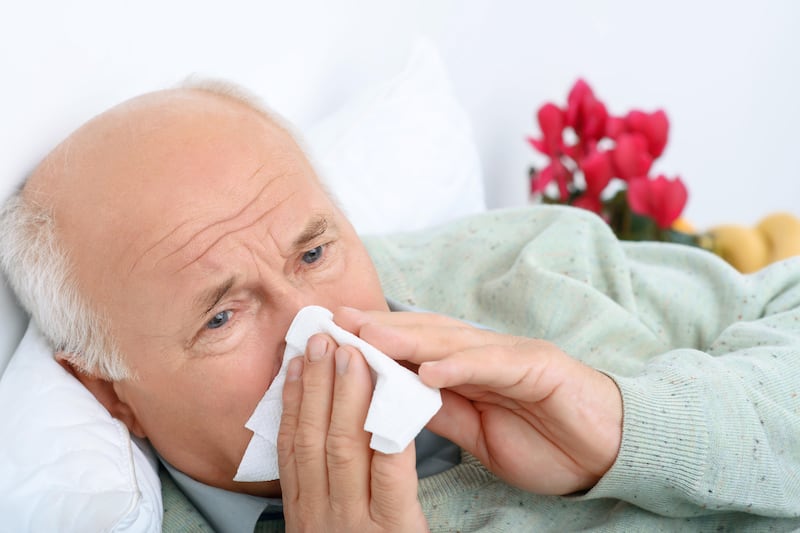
point(460, 422)
point(393, 485)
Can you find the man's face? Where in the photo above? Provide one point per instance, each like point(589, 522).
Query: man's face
point(212, 233)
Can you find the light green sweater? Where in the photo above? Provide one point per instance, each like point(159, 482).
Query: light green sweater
point(708, 362)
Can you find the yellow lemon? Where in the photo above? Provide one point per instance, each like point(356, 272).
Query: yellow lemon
point(782, 234)
point(744, 248)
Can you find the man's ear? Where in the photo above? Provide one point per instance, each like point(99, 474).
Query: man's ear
point(103, 390)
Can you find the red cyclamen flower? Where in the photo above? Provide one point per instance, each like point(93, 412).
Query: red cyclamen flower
point(585, 114)
point(551, 122)
point(661, 199)
point(598, 169)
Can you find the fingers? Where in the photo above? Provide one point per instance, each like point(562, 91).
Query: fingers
point(564, 414)
point(292, 396)
point(352, 319)
point(307, 411)
point(393, 488)
point(459, 421)
point(347, 447)
point(355, 473)
point(527, 371)
point(330, 478)
point(416, 337)
point(325, 459)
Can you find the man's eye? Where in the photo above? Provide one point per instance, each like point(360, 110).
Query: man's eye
point(312, 256)
point(219, 320)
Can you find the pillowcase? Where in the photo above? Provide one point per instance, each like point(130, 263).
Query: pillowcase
point(14, 321)
point(399, 156)
point(402, 156)
point(66, 464)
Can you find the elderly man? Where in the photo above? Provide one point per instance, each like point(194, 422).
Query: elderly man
point(166, 245)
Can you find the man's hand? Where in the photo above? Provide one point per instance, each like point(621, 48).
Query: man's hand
point(331, 480)
point(533, 415)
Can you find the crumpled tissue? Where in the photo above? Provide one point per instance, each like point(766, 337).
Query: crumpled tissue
point(401, 404)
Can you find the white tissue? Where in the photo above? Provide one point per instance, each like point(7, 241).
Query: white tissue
point(401, 404)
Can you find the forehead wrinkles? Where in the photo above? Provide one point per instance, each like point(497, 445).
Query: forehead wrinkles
point(200, 245)
point(196, 236)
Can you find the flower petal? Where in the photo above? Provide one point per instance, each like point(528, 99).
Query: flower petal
point(579, 92)
point(615, 126)
point(585, 113)
point(551, 121)
point(653, 126)
point(630, 157)
point(661, 199)
point(639, 196)
point(563, 177)
point(542, 179)
point(597, 171)
point(672, 196)
point(594, 119)
point(539, 145)
point(589, 202)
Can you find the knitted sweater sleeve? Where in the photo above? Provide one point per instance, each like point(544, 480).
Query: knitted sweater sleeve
point(713, 423)
point(707, 360)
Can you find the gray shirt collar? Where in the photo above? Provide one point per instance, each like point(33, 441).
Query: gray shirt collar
point(225, 510)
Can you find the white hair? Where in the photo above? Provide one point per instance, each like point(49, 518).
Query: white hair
point(236, 93)
point(41, 274)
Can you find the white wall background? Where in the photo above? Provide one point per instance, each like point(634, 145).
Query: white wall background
point(726, 72)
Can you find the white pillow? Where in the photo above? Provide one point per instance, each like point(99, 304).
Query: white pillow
point(14, 321)
point(65, 463)
point(400, 156)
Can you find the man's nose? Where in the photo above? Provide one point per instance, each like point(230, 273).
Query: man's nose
point(291, 299)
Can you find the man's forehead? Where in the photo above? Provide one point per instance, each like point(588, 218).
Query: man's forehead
point(193, 228)
point(121, 192)
point(209, 293)
point(167, 138)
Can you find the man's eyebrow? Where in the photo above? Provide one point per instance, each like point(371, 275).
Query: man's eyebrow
point(315, 227)
point(211, 297)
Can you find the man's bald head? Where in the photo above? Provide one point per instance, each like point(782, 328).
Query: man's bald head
point(60, 222)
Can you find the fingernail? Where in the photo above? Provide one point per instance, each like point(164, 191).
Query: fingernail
point(423, 370)
point(316, 348)
point(295, 369)
point(342, 359)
